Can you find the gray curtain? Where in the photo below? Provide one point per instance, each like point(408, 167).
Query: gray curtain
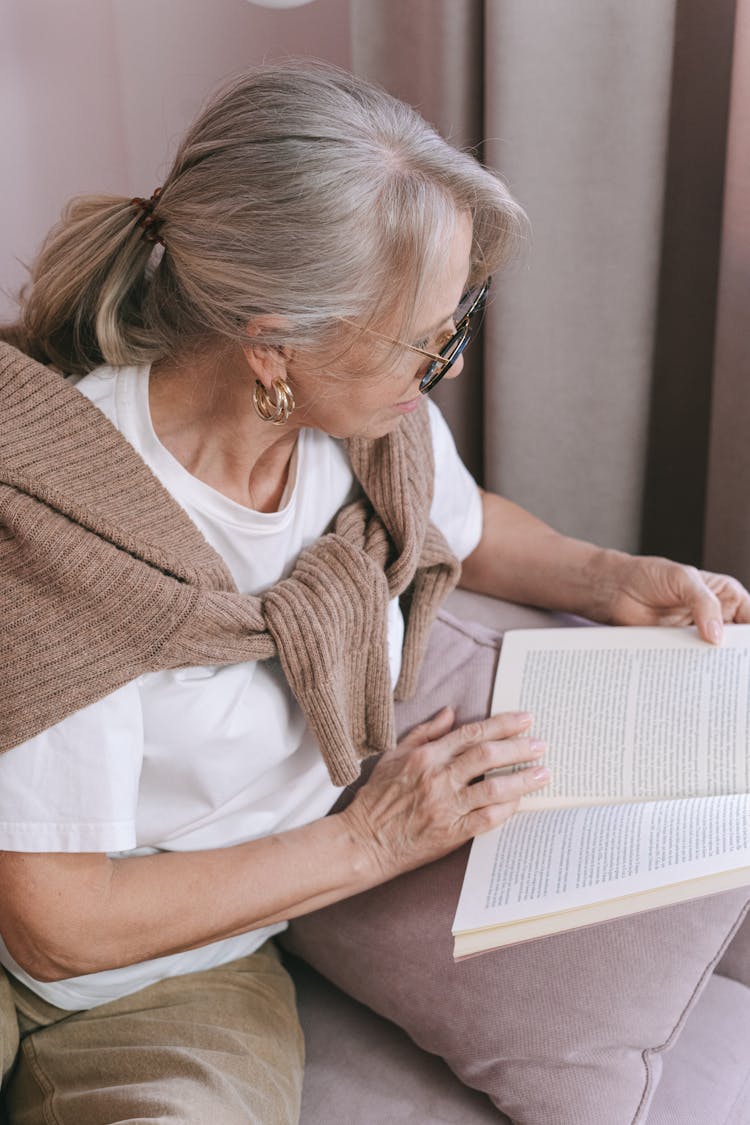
point(591, 402)
point(728, 506)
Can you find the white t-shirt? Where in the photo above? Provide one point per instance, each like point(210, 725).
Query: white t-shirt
point(205, 757)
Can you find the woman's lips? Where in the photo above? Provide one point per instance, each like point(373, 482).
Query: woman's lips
point(407, 407)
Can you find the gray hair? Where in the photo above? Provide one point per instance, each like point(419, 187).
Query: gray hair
point(299, 191)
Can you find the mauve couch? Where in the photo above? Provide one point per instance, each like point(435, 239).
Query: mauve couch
point(362, 1070)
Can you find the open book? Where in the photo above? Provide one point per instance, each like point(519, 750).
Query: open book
point(648, 734)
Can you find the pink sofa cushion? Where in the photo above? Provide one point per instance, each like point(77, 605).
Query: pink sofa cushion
point(736, 961)
point(362, 1070)
point(568, 1030)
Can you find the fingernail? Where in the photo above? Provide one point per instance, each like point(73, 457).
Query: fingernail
point(714, 631)
point(523, 718)
point(536, 747)
point(541, 774)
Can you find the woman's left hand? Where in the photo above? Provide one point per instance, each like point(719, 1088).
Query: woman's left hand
point(646, 590)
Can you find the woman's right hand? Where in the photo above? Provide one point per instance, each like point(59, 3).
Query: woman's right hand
point(419, 803)
point(69, 914)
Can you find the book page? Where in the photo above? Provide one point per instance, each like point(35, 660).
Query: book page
point(555, 860)
point(632, 713)
point(467, 943)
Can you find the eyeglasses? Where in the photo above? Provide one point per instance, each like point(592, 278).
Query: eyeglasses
point(471, 306)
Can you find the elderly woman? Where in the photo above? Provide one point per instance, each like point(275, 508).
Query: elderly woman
point(205, 536)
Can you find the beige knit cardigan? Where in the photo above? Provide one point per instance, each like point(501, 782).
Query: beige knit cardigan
point(103, 576)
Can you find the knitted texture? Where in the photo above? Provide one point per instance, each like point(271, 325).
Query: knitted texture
point(105, 577)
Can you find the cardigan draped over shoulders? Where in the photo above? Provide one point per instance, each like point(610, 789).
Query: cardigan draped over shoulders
point(105, 577)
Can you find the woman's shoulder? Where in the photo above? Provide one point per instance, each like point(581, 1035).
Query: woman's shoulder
point(100, 386)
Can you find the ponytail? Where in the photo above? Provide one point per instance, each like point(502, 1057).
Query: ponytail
point(82, 306)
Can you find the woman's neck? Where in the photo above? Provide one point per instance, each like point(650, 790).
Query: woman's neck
point(202, 412)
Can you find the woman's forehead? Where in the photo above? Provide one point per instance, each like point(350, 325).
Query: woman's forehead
point(442, 294)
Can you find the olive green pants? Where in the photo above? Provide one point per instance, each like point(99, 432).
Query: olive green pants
point(220, 1047)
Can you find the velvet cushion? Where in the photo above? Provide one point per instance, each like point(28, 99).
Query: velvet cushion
point(362, 1070)
point(567, 1030)
point(736, 961)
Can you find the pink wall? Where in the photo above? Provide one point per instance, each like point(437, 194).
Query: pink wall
point(94, 95)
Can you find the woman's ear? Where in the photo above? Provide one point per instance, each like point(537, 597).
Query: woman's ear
point(265, 361)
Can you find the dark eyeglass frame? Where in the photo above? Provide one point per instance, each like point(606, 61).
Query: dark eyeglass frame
point(454, 346)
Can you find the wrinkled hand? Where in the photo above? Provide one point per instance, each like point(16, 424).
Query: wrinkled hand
point(654, 591)
point(418, 803)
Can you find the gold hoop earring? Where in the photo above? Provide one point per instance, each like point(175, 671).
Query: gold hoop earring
point(274, 410)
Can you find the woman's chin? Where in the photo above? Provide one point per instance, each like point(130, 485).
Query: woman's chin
point(379, 427)
point(374, 427)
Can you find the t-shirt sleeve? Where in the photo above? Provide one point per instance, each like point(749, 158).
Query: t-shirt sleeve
point(74, 787)
point(456, 503)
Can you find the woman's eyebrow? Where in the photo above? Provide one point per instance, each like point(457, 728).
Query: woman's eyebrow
point(430, 331)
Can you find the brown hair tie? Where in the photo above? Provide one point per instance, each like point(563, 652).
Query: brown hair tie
point(144, 208)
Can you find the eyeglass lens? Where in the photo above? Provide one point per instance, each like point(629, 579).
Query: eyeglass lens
point(470, 307)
